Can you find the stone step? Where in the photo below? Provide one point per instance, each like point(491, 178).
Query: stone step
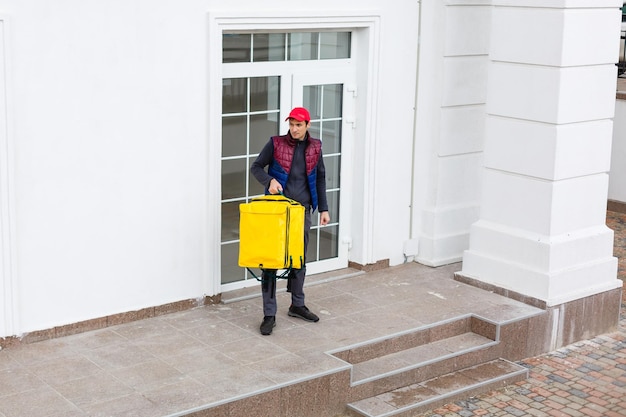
point(413, 399)
point(400, 360)
point(419, 356)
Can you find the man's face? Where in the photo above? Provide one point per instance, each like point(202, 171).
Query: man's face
point(298, 129)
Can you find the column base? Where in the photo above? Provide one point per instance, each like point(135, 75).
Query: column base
point(565, 323)
point(554, 269)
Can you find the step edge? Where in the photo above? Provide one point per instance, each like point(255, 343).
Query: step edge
point(421, 364)
point(255, 392)
point(520, 371)
point(484, 342)
point(406, 332)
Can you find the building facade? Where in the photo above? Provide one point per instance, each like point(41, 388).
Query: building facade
point(457, 130)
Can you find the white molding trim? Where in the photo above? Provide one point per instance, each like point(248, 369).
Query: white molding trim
point(281, 20)
point(8, 287)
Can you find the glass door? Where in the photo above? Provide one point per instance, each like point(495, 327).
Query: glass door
point(330, 102)
point(264, 76)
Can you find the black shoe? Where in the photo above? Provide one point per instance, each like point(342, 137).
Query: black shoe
point(269, 322)
point(303, 313)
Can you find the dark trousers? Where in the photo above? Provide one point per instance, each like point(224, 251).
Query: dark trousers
point(295, 283)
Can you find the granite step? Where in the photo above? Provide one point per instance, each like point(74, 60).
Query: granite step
point(419, 356)
point(415, 398)
point(403, 359)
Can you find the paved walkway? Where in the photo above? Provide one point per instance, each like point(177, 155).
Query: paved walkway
point(166, 364)
point(586, 379)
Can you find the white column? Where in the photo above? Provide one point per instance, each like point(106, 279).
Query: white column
point(550, 104)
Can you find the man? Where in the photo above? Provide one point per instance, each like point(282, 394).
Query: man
point(295, 168)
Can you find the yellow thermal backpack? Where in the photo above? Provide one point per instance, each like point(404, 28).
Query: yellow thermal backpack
point(271, 233)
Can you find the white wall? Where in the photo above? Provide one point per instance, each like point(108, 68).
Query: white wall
point(108, 135)
point(394, 133)
point(450, 126)
point(617, 175)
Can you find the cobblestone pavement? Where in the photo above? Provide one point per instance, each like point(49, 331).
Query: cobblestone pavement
point(585, 379)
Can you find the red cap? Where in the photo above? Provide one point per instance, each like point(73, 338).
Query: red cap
point(300, 114)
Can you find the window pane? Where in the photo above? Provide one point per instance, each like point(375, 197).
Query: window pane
point(312, 100)
point(264, 47)
point(328, 242)
point(234, 174)
point(230, 222)
point(331, 134)
point(256, 271)
point(269, 47)
point(314, 130)
point(262, 127)
point(334, 45)
point(231, 271)
point(303, 46)
point(236, 47)
point(255, 187)
point(331, 163)
point(234, 136)
point(333, 94)
point(234, 94)
point(311, 250)
point(333, 208)
point(264, 93)
point(333, 205)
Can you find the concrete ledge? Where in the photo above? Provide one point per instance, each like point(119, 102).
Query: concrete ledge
point(383, 264)
point(617, 206)
point(315, 397)
point(564, 324)
point(500, 291)
point(102, 322)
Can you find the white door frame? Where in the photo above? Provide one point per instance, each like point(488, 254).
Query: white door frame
point(367, 24)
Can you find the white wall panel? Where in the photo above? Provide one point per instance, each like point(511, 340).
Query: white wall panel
point(558, 3)
point(536, 35)
point(531, 204)
point(462, 130)
point(7, 208)
point(538, 251)
point(567, 94)
point(556, 287)
point(617, 180)
point(465, 80)
point(451, 220)
point(548, 151)
point(466, 30)
point(459, 180)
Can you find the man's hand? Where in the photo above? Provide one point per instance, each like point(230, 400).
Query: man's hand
point(275, 187)
point(324, 218)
